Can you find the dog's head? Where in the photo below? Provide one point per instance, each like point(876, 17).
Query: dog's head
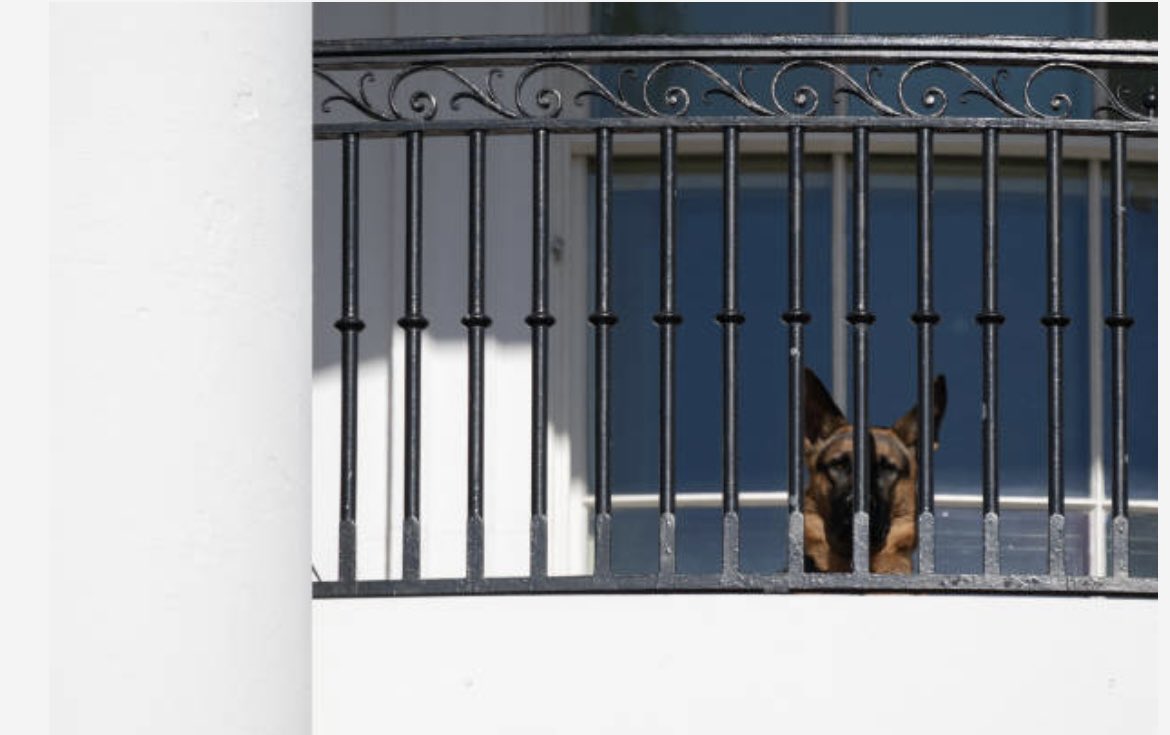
point(893, 461)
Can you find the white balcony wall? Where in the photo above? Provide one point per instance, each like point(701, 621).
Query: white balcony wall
point(735, 664)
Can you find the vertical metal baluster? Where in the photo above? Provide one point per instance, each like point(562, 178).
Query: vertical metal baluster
point(1055, 321)
point(925, 318)
point(861, 319)
point(667, 320)
point(539, 320)
point(990, 319)
point(602, 319)
point(796, 317)
point(476, 322)
point(349, 325)
point(413, 323)
point(730, 318)
point(1119, 321)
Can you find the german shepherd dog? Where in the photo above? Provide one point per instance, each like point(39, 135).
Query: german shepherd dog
point(893, 497)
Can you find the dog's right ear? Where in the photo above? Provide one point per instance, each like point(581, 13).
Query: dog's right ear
point(821, 415)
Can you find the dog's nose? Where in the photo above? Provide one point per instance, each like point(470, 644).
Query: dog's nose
point(844, 498)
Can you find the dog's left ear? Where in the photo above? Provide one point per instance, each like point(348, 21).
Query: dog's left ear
point(821, 415)
point(907, 427)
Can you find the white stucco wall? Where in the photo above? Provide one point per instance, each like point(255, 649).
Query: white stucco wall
point(734, 664)
point(181, 368)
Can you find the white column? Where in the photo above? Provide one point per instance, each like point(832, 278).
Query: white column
point(181, 368)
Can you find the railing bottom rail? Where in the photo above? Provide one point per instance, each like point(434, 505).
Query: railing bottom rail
point(1030, 584)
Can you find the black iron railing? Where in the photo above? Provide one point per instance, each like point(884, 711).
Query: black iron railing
point(548, 86)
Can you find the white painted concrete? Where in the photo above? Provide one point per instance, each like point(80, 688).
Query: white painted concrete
point(734, 664)
point(24, 378)
point(181, 368)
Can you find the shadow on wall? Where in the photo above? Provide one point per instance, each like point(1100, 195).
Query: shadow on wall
point(381, 244)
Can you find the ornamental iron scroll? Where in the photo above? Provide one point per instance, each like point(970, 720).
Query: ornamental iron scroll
point(679, 87)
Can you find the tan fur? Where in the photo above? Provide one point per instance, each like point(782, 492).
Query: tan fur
point(828, 548)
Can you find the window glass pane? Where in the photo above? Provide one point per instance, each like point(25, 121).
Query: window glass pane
point(763, 539)
point(1132, 20)
point(1141, 208)
point(635, 541)
point(700, 540)
point(1023, 541)
point(687, 18)
point(763, 294)
point(1143, 545)
point(958, 243)
point(1016, 19)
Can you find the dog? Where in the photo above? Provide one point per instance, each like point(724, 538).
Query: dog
point(893, 497)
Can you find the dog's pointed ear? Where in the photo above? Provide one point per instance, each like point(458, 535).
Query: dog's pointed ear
point(821, 415)
point(907, 427)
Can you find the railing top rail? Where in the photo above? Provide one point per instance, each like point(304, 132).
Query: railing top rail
point(576, 83)
point(466, 49)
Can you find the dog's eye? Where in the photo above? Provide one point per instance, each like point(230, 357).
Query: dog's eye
point(887, 470)
point(841, 464)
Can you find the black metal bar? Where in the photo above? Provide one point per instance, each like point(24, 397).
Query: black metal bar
point(1011, 584)
point(990, 319)
point(1055, 321)
point(716, 123)
point(603, 320)
point(349, 325)
point(861, 319)
point(796, 317)
point(413, 322)
point(668, 320)
point(476, 322)
point(857, 48)
point(730, 318)
point(924, 319)
point(1119, 322)
point(539, 320)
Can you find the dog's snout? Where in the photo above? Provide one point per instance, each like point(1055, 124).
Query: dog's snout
point(842, 497)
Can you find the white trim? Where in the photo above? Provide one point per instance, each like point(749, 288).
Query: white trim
point(569, 538)
point(817, 143)
point(1096, 352)
point(779, 498)
point(1012, 145)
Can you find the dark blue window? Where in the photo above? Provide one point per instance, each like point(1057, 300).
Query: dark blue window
point(958, 259)
point(958, 262)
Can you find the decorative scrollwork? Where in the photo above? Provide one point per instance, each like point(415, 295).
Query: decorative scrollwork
point(807, 100)
point(424, 103)
point(678, 98)
point(361, 102)
point(549, 99)
point(669, 89)
point(934, 98)
point(1061, 103)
